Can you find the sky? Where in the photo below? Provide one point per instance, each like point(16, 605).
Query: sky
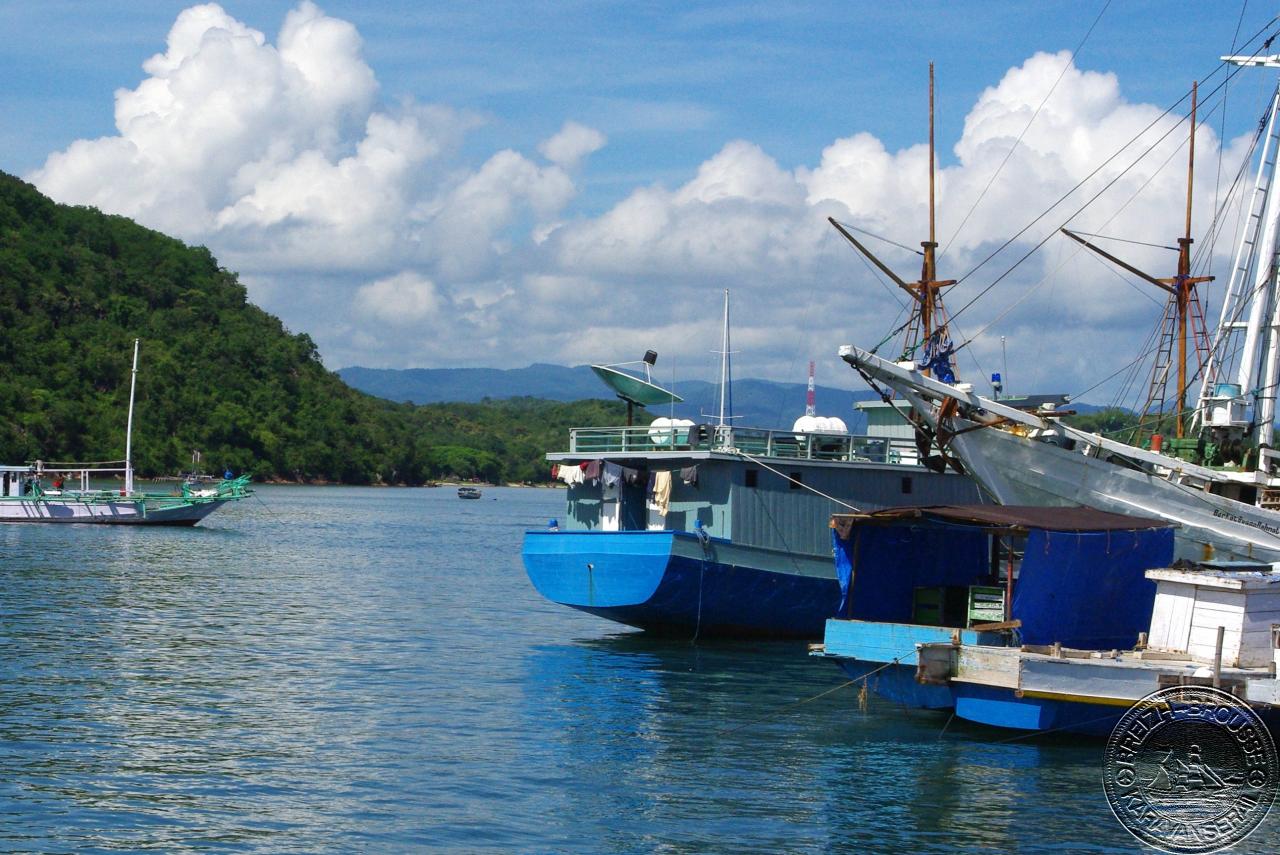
point(496, 184)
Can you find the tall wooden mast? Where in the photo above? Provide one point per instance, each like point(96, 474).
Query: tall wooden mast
point(1183, 318)
point(927, 326)
point(1184, 281)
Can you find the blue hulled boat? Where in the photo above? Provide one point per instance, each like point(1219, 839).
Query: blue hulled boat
point(717, 530)
point(970, 609)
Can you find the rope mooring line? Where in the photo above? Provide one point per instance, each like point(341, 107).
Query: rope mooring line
point(786, 707)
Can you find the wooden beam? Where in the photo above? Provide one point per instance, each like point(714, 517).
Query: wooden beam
point(1119, 263)
point(871, 256)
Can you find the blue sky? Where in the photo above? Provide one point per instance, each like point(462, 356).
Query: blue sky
point(656, 107)
point(669, 83)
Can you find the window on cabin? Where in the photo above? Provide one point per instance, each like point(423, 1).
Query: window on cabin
point(796, 480)
point(906, 486)
point(751, 477)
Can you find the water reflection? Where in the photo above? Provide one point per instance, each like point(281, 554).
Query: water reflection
point(717, 745)
point(356, 670)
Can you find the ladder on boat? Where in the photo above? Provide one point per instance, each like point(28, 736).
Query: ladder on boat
point(1153, 411)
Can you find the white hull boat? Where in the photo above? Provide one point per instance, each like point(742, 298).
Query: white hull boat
point(1029, 459)
point(39, 491)
point(1218, 476)
point(185, 507)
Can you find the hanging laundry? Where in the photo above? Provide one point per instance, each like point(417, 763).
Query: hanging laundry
point(634, 477)
point(611, 475)
point(662, 490)
point(591, 470)
point(571, 475)
point(689, 475)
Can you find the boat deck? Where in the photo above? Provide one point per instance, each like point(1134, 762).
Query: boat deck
point(1091, 676)
point(701, 441)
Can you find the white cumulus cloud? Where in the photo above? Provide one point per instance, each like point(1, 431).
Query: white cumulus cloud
point(351, 211)
point(571, 144)
point(282, 156)
point(746, 222)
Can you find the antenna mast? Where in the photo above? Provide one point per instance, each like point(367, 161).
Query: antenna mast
point(128, 431)
point(724, 361)
point(809, 404)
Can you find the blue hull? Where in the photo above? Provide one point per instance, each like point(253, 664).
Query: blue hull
point(671, 582)
point(885, 654)
point(997, 707)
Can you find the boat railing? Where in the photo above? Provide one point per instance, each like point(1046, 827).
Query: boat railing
point(84, 481)
point(757, 442)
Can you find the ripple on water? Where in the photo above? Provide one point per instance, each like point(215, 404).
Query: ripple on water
point(346, 669)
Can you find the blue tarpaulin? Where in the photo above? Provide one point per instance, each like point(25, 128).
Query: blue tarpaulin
point(892, 561)
point(1083, 588)
point(1089, 589)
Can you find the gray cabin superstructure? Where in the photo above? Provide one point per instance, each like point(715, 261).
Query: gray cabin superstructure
point(703, 530)
point(761, 488)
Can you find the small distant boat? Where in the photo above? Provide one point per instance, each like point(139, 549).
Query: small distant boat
point(66, 492)
point(469, 492)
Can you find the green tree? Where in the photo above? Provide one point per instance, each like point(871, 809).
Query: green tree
point(217, 374)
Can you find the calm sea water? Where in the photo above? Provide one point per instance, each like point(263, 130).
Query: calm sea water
point(338, 670)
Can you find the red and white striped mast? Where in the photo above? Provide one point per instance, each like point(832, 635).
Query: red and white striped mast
point(809, 409)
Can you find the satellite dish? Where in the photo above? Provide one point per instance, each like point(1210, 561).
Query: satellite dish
point(635, 390)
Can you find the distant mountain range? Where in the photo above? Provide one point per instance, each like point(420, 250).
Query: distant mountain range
point(756, 403)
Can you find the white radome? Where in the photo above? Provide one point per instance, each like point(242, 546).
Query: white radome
point(819, 424)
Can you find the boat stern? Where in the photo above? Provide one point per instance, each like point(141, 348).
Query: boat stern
point(597, 571)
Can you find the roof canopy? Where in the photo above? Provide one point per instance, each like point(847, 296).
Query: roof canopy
point(1018, 518)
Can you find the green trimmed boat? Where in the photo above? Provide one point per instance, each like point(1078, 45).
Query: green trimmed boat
point(76, 492)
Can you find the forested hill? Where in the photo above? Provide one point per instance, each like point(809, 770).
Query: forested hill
point(217, 374)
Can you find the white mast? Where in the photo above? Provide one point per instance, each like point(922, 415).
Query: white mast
point(1261, 349)
point(724, 356)
point(128, 432)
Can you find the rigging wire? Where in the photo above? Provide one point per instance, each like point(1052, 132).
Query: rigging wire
point(1125, 240)
point(1137, 369)
point(1050, 235)
point(882, 238)
point(1226, 355)
point(1053, 232)
point(1226, 360)
point(894, 293)
point(990, 182)
point(1077, 250)
point(1110, 377)
point(1204, 251)
point(795, 484)
point(1086, 204)
point(1090, 176)
point(1222, 131)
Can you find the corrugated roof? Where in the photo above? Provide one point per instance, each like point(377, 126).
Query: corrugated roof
point(1075, 518)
